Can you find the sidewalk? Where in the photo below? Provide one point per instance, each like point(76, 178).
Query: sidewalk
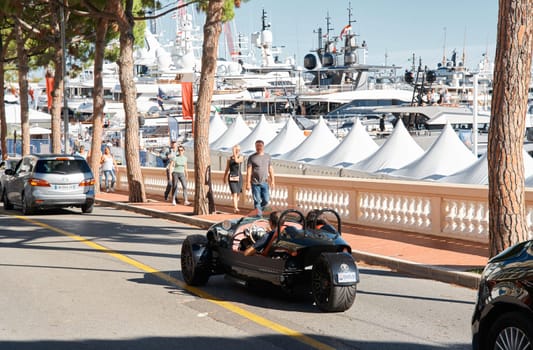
point(443, 259)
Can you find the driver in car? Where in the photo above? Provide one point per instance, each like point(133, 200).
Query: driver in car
point(262, 242)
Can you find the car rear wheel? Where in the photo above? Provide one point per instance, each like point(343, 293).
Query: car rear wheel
point(7, 204)
point(192, 272)
point(26, 208)
point(511, 331)
point(87, 208)
point(328, 296)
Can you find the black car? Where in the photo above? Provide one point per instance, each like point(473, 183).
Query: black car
point(304, 254)
point(503, 317)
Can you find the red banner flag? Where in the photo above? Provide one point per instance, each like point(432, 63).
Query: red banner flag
point(49, 89)
point(187, 105)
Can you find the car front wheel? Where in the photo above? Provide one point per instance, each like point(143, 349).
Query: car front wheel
point(7, 204)
point(328, 296)
point(511, 331)
point(193, 273)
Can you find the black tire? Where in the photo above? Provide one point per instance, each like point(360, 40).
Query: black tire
point(87, 208)
point(193, 273)
point(26, 208)
point(511, 331)
point(7, 204)
point(329, 297)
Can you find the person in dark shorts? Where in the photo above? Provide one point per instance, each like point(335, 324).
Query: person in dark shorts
point(260, 177)
point(233, 176)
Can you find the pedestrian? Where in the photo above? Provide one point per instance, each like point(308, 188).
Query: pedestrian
point(233, 176)
point(109, 168)
point(81, 152)
point(382, 123)
point(260, 177)
point(179, 173)
point(168, 157)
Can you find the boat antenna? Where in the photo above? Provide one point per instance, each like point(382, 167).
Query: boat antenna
point(463, 58)
point(444, 49)
point(350, 12)
point(264, 18)
point(329, 28)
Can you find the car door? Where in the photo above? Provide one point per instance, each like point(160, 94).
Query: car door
point(15, 185)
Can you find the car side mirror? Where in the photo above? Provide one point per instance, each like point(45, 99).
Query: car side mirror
point(10, 172)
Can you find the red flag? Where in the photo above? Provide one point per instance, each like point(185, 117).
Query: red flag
point(49, 89)
point(187, 105)
point(345, 30)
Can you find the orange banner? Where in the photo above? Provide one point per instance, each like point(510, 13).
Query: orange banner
point(187, 104)
point(49, 89)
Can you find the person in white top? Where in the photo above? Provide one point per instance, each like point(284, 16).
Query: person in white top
point(109, 168)
point(82, 152)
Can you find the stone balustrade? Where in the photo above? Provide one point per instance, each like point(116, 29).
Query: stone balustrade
point(449, 210)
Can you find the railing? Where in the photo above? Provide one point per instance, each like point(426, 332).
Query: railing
point(458, 211)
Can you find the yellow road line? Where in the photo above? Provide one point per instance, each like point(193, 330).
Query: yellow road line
point(174, 281)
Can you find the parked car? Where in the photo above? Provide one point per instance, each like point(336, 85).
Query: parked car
point(49, 181)
point(503, 317)
point(9, 163)
point(304, 254)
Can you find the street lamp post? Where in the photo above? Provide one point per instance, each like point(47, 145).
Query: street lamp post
point(64, 69)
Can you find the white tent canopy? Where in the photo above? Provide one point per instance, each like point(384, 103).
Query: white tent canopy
point(236, 132)
point(263, 131)
point(356, 146)
point(446, 156)
point(37, 130)
point(217, 127)
point(477, 173)
point(399, 150)
point(288, 138)
point(320, 142)
point(34, 116)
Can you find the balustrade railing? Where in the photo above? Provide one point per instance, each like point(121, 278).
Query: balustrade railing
point(448, 210)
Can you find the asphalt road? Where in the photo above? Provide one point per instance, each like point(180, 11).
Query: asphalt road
point(111, 280)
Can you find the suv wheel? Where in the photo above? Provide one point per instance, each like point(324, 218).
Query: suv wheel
point(7, 204)
point(511, 331)
point(87, 208)
point(26, 208)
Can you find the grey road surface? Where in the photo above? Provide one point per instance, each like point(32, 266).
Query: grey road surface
point(72, 281)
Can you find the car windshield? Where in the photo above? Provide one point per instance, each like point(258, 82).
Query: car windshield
point(63, 166)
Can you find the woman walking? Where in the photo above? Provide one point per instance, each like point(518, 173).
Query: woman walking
point(109, 168)
point(233, 175)
point(179, 173)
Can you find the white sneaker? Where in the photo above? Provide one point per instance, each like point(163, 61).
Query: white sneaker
point(186, 203)
point(174, 202)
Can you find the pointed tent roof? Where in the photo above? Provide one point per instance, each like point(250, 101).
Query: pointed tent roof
point(262, 131)
point(356, 146)
point(446, 156)
point(217, 127)
point(399, 150)
point(288, 138)
point(320, 142)
point(477, 173)
point(237, 131)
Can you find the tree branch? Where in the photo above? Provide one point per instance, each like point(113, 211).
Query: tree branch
point(142, 18)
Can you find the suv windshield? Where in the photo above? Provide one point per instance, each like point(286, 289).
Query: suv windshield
point(68, 166)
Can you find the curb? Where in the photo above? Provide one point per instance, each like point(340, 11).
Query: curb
point(464, 279)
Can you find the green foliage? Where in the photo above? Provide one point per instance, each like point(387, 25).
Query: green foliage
point(229, 8)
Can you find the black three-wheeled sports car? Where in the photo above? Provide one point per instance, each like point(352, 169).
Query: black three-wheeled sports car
point(304, 251)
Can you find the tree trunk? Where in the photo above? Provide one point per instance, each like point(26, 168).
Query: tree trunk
point(212, 29)
point(133, 167)
point(507, 211)
point(23, 70)
point(98, 99)
point(3, 122)
point(55, 111)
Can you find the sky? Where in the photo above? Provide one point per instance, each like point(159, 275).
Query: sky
point(396, 28)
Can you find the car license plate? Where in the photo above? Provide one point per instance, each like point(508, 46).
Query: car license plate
point(65, 187)
point(344, 277)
